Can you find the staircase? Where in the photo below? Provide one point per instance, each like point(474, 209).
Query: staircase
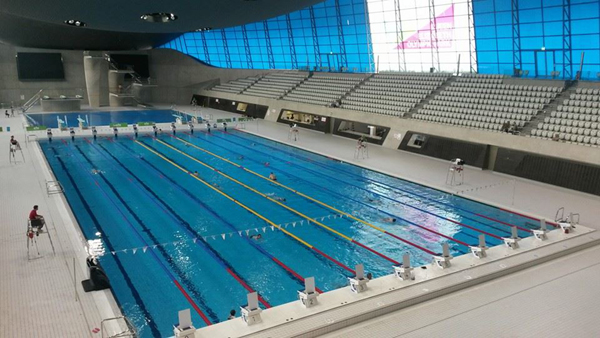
point(32, 101)
point(353, 89)
point(429, 97)
point(570, 88)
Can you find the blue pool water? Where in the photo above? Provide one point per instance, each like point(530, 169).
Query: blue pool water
point(104, 118)
point(176, 241)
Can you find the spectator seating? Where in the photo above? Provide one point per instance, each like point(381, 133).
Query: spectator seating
point(323, 89)
point(393, 93)
point(486, 102)
point(576, 120)
point(235, 86)
point(275, 85)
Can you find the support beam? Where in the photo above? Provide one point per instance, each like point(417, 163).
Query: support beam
point(315, 36)
point(400, 37)
point(369, 42)
point(566, 35)
point(433, 38)
point(226, 49)
point(472, 51)
point(247, 47)
point(340, 27)
point(516, 35)
point(269, 46)
point(290, 30)
point(205, 45)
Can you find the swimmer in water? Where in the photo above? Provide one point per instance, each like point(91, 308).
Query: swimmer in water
point(96, 171)
point(195, 173)
point(272, 177)
point(275, 197)
point(256, 237)
point(241, 157)
point(373, 201)
point(267, 164)
point(389, 220)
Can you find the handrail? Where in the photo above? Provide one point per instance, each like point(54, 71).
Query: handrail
point(129, 331)
point(33, 100)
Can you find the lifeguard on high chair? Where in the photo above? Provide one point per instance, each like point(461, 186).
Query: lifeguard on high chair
point(35, 226)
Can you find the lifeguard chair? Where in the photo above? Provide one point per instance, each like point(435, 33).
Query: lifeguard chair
point(34, 230)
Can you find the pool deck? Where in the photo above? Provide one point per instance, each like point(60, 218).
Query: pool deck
point(39, 298)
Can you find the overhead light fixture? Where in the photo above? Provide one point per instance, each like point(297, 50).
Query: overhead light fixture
point(159, 17)
point(75, 23)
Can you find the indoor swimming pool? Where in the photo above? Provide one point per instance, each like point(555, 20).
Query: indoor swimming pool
point(105, 118)
point(179, 217)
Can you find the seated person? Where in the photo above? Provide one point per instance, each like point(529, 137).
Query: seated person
point(37, 221)
point(272, 177)
point(14, 144)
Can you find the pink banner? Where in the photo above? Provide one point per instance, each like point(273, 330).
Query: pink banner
point(445, 33)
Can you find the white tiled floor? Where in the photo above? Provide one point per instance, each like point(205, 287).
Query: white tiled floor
point(556, 299)
point(37, 297)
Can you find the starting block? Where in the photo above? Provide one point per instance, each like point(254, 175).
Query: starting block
point(566, 227)
point(541, 232)
point(405, 271)
point(309, 295)
point(512, 241)
point(184, 329)
point(251, 312)
point(359, 282)
point(479, 251)
point(443, 261)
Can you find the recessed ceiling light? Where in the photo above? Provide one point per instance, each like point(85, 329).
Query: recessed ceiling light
point(159, 17)
point(75, 23)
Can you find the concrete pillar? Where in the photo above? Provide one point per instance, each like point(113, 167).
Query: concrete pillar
point(116, 78)
point(96, 80)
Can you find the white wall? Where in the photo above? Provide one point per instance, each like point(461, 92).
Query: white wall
point(180, 76)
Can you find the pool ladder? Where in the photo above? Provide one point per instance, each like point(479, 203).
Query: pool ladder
point(117, 327)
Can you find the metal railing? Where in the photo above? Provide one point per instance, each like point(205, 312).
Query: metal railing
point(32, 101)
point(117, 327)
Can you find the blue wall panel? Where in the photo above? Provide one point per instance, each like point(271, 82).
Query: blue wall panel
point(541, 36)
point(542, 41)
point(274, 41)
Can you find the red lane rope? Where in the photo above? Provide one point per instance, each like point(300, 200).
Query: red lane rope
point(501, 222)
point(191, 301)
point(377, 253)
point(413, 244)
point(527, 216)
point(343, 266)
point(247, 287)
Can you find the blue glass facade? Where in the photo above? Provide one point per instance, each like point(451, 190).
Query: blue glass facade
point(551, 35)
point(329, 35)
point(495, 37)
